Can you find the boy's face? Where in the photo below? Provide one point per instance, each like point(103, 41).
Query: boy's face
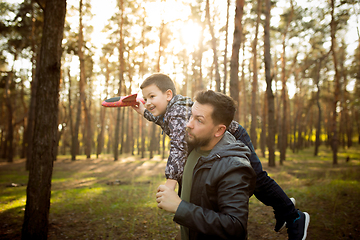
point(155, 100)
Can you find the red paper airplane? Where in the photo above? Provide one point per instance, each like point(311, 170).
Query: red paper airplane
point(130, 100)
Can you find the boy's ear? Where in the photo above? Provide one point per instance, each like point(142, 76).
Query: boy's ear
point(169, 95)
point(220, 130)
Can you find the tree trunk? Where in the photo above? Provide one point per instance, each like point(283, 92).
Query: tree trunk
point(100, 137)
point(72, 131)
point(213, 44)
point(254, 90)
point(23, 145)
point(142, 128)
point(234, 64)
point(121, 78)
point(9, 146)
point(269, 92)
point(283, 130)
point(75, 140)
point(242, 88)
point(334, 140)
point(30, 123)
point(226, 45)
point(142, 134)
point(82, 85)
point(123, 123)
point(36, 216)
point(318, 125)
point(263, 127)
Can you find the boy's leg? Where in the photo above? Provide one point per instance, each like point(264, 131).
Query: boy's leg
point(269, 192)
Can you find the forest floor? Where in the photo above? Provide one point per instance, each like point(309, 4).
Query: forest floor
point(102, 199)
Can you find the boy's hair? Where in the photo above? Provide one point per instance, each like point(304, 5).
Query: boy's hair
point(224, 106)
point(162, 81)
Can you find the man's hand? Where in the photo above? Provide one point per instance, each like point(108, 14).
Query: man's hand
point(139, 108)
point(167, 199)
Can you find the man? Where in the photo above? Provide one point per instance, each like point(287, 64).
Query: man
point(218, 178)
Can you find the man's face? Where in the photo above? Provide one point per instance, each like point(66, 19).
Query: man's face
point(200, 127)
point(155, 100)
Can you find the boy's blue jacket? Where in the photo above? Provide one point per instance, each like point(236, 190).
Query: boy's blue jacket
point(221, 187)
point(173, 123)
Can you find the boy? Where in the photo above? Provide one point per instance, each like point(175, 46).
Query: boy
point(171, 113)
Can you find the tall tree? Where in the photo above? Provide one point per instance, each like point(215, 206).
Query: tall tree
point(121, 77)
point(82, 83)
point(318, 125)
point(334, 140)
point(226, 45)
point(213, 44)
point(100, 137)
point(38, 191)
point(254, 91)
point(234, 64)
point(9, 152)
point(269, 92)
point(36, 27)
point(283, 129)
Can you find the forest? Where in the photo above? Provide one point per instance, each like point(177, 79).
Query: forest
point(292, 67)
point(311, 91)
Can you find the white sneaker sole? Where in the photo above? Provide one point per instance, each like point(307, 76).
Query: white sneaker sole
point(307, 222)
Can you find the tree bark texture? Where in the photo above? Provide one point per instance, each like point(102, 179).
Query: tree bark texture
point(253, 134)
point(121, 79)
point(213, 44)
point(269, 92)
point(234, 64)
point(36, 216)
point(334, 139)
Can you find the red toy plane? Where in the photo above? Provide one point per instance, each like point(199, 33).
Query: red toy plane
point(130, 100)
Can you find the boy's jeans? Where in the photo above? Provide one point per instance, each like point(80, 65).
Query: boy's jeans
point(266, 190)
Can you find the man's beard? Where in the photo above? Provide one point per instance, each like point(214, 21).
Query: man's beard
point(195, 142)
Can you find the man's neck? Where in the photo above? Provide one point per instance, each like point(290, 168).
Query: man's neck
point(211, 144)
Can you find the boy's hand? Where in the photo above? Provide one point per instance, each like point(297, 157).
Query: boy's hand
point(139, 108)
point(167, 199)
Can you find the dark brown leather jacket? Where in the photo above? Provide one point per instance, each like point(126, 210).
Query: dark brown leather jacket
point(222, 185)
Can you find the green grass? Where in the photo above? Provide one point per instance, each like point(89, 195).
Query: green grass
point(85, 206)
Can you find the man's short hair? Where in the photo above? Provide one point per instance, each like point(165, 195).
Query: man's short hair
point(224, 106)
point(162, 81)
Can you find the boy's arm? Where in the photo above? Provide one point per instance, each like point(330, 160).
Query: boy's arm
point(140, 109)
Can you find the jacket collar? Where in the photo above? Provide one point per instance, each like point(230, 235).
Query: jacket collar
point(228, 146)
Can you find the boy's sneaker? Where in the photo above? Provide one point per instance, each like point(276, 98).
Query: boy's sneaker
point(297, 229)
point(280, 222)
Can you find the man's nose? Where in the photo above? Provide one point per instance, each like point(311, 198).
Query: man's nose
point(189, 123)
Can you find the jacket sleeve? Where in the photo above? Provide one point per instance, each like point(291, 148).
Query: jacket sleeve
point(229, 221)
point(152, 118)
point(174, 126)
point(178, 146)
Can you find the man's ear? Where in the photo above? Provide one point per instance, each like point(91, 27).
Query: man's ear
point(169, 95)
point(220, 130)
